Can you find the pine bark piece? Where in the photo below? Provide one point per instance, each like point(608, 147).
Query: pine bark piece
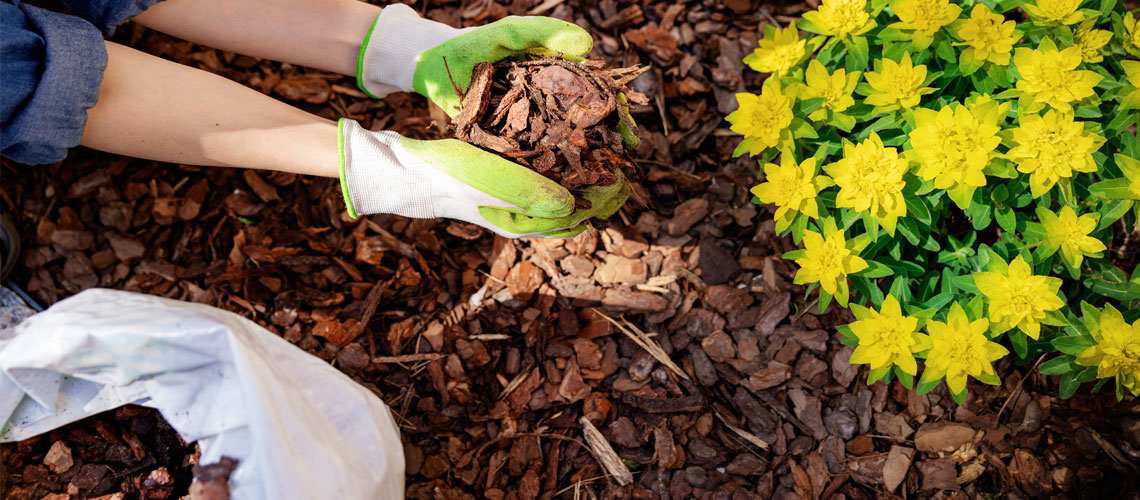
point(605, 453)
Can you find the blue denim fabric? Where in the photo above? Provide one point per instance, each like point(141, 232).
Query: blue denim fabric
point(51, 68)
point(108, 14)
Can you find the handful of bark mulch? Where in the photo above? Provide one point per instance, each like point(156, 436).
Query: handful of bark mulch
point(557, 117)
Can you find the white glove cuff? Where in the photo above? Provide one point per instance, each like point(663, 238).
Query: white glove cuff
point(391, 50)
point(375, 180)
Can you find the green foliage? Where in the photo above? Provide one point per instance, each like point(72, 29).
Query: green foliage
point(937, 157)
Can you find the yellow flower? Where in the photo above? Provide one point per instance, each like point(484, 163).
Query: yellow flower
point(924, 17)
point(1017, 297)
point(961, 349)
point(834, 88)
point(1070, 234)
point(792, 188)
point(1050, 76)
point(828, 258)
point(954, 146)
point(1132, 73)
point(988, 36)
point(1050, 148)
point(1132, 32)
point(762, 119)
point(1055, 11)
point(1117, 349)
point(897, 84)
point(1131, 169)
point(1090, 41)
point(887, 337)
point(780, 50)
point(870, 179)
point(840, 18)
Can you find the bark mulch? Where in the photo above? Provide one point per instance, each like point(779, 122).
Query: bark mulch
point(672, 338)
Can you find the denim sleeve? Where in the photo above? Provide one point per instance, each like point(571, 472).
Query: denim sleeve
point(52, 68)
point(108, 14)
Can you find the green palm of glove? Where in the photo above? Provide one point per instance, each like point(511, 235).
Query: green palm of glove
point(604, 202)
point(509, 196)
point(503, 38)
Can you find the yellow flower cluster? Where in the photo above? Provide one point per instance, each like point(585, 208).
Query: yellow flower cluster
point(1050, 148)
point(987, 36)
point(792, 188)
point(897, 84)
point(835, 89)
point(1050, 76)
point(1117, 350)
point(828, 259)
point(762, 119)
point(960, 349)
point(1017, 297)
point(780, 50)
point(887, 338)
point(841, 18)
point(924, 18)
point(1067, 232)
point(870, 180)
point(955, 144)
point(1057, 12)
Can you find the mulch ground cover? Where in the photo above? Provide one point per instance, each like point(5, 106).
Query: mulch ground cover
point(675, 331)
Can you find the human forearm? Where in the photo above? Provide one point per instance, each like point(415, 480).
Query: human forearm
point(160, 110)
point(321, 34)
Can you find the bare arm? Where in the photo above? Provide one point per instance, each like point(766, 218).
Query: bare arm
point(321, 34)
point(160, 110)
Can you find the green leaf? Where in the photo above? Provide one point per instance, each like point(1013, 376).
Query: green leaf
point(917, 208)
point(966, 284)
point(1020, 342)
point(875, 270)
point(794, 254)
point(1112, 189)
point(1073, 345)
point(857, 54)
point(1054, 318)
point(939, 301)
point(925, 386)
point(1058, 366)
point(842, 122)
point(1112, 211)
point(1086, 375)
point(806, 106)
point(1068, 386)
point(904, 377)
point(1007, 219)
point(900, 289)
point(1120, 290)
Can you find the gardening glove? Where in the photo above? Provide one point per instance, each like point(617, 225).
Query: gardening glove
point(383, 172)
point(404, 52)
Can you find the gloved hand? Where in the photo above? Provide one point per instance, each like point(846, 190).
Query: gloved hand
point(404, 52)
point(383, 172)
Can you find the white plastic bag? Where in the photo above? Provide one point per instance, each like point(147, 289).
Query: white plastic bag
point(299, 428)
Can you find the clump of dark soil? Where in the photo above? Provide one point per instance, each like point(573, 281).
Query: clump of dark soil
point(558, 117)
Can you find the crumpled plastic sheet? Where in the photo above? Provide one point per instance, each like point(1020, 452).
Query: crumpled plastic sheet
point(299, 428)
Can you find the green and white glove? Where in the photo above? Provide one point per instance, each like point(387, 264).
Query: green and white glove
point(383, 172)
point(405, 52)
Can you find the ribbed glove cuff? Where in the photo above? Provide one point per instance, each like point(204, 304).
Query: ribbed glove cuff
point(392, 48)
point(374, 177)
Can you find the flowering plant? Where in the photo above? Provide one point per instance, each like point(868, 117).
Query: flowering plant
point(963, 176)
